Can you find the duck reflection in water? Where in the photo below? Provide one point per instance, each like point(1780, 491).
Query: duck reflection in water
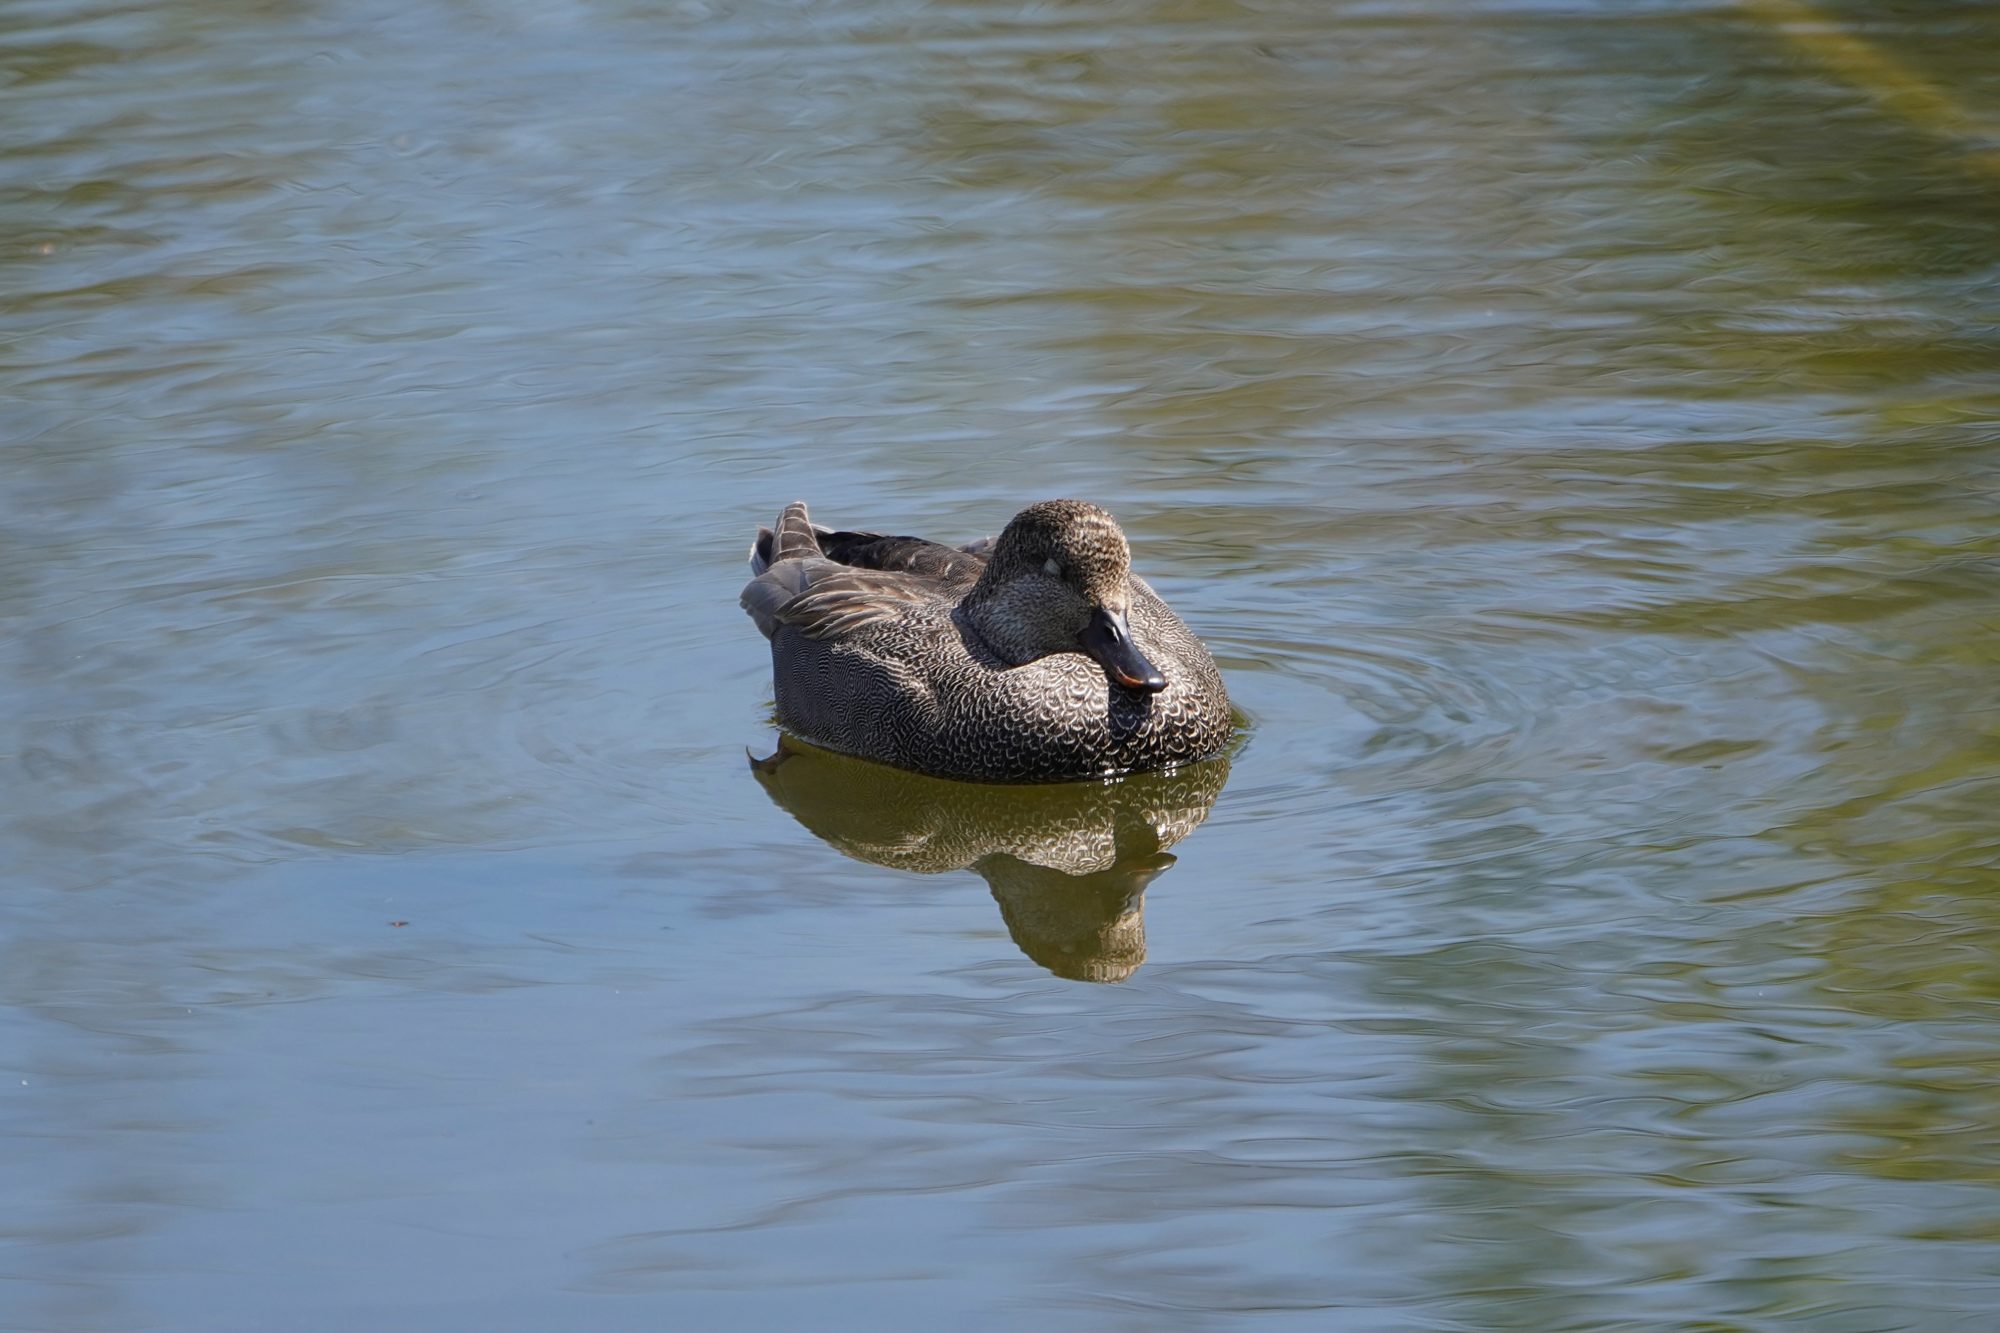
point(1068, 863)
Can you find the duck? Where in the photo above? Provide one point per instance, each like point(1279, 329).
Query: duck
point(1034, 656)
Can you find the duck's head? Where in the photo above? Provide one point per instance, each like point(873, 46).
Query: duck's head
point(1059, 580)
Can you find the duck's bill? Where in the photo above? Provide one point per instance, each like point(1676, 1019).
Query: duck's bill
point(1108, 639)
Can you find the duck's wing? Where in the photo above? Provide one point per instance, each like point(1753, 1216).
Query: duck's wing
point(824, 599)
point(827, 584)
point(950, 566)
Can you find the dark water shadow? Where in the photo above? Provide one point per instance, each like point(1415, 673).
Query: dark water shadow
point(1068, 863)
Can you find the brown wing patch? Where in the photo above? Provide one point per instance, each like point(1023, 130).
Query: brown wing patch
point(845, 599)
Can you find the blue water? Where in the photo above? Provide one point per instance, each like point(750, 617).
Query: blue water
point(1572, 427)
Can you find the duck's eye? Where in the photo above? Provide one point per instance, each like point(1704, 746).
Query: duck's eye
point(1049, 566)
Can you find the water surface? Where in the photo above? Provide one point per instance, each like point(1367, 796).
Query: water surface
point(1572, 426)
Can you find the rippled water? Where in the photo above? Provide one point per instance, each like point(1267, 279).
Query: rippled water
point(1573, 427)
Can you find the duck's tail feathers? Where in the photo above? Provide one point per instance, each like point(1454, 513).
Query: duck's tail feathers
point(795, 536)
point(773, 587)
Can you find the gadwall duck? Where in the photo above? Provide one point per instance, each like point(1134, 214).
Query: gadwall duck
point(1035, 656)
